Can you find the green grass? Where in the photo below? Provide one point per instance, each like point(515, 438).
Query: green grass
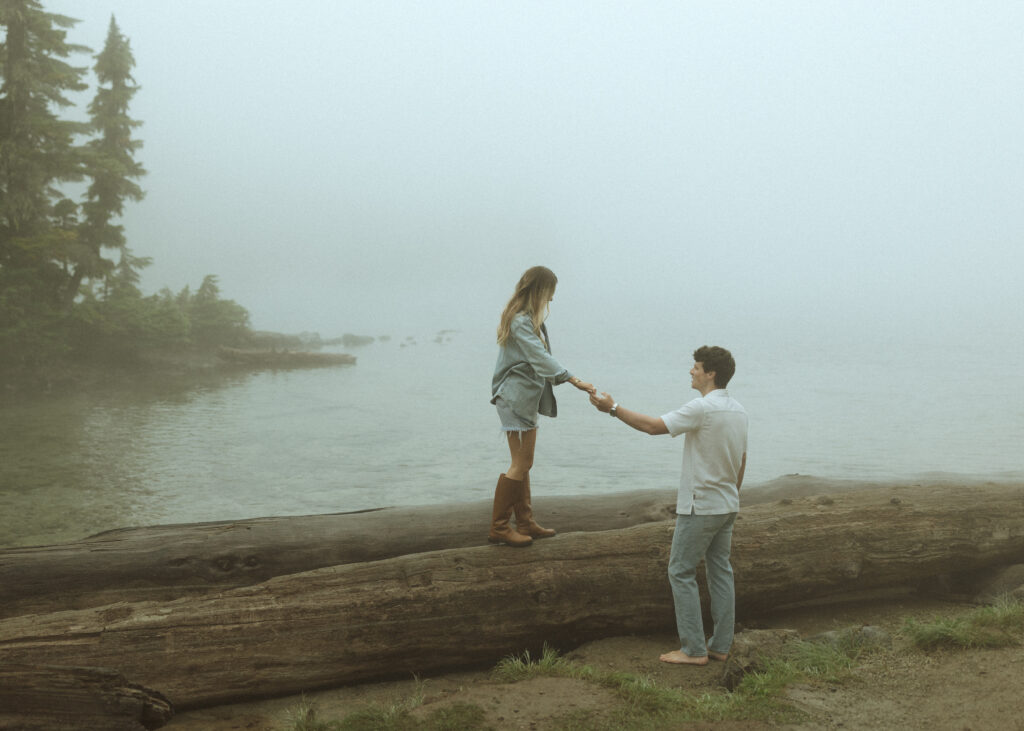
point(802, 662)
point(457, 717)
point(303, 718)
point(998, 625)
point(641, 704)
point(395, 717)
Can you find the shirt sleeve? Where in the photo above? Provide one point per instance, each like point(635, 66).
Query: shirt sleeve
point(686, 418)
point(536, 354)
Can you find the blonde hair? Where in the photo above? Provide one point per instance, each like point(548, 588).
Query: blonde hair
point(532, 295)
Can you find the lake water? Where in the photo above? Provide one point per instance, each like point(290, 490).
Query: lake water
point(411, 424)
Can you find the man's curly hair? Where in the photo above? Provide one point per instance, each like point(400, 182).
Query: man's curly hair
point(717, 360)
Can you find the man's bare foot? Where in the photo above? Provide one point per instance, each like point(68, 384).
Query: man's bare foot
point(720, 656)
point(678, 657)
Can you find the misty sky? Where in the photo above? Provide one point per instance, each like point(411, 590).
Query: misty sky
point(382, 166)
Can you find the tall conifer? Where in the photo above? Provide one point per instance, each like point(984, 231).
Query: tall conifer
point(37, 149)
point(37, 153)
point(110, 160)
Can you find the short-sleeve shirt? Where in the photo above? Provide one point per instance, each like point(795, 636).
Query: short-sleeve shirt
point(716, 440)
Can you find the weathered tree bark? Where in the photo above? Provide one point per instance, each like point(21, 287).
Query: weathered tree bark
point(48, 697)
point(431, 612)
point(168, 562)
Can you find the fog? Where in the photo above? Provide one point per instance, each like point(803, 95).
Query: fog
point(382, 166)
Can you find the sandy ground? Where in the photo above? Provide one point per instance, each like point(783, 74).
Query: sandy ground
point(904, 689)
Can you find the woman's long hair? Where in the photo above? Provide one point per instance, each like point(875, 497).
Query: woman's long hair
point(532, 295)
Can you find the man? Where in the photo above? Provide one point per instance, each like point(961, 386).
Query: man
point(714, 460)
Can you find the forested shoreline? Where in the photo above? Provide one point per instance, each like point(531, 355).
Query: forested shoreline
point(71, 309)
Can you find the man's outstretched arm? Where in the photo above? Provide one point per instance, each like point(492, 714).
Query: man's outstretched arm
point(640, 422)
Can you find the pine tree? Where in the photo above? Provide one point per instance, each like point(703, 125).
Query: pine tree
point(110, 163)
point(37, 153)
point(215, 321)
point(37, 149)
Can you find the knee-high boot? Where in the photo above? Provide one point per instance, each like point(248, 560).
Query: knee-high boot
point(506, 494)
point(525, 523)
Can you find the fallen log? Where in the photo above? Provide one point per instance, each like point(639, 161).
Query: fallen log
point(433, 612)
point(48, 697)
point(160, 563)
point(167, 562)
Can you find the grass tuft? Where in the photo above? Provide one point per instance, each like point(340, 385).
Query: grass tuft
point(804, 661)
point(998, 625)
point(304, 718)
point(514, 668)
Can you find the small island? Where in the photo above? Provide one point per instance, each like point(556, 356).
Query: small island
point(273, 358)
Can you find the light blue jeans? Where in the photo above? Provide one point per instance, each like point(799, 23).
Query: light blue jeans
point(707, 537)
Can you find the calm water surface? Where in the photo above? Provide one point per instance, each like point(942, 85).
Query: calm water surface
point(411, 424)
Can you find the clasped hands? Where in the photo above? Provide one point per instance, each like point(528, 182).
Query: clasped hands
point(583, 385)
point(602, 403)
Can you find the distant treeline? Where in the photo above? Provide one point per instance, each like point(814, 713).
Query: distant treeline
point(68, 280)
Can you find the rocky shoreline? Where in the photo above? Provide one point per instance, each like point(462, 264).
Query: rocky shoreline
point(182, 368)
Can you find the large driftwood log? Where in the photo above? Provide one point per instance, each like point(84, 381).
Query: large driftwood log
point(168, 562)
point(58, 697)
point(160, 563)
point(431, 612)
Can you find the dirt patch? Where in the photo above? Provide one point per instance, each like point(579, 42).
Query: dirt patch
point(535, 703)
point(955, 690)
point(892, 688)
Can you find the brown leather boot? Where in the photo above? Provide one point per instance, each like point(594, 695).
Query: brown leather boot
point(525, 523)
point(506, 493)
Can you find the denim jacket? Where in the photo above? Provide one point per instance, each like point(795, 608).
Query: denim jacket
point(526, 371)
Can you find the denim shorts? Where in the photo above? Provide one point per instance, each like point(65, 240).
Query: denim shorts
point(510, 420)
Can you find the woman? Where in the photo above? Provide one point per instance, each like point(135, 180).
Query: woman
point(522, 388)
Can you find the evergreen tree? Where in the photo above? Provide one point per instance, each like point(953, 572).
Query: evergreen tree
point(37, 152)
point(110, 163)
point(215, 321)
point(59, 295)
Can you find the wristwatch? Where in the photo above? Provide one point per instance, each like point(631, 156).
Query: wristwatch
point(612, 411)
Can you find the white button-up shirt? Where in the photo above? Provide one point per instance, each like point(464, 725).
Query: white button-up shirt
point(716, 440)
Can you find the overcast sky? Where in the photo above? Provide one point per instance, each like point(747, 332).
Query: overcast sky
point(378, 166)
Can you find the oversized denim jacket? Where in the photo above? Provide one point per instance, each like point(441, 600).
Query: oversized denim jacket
point(526, 371)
